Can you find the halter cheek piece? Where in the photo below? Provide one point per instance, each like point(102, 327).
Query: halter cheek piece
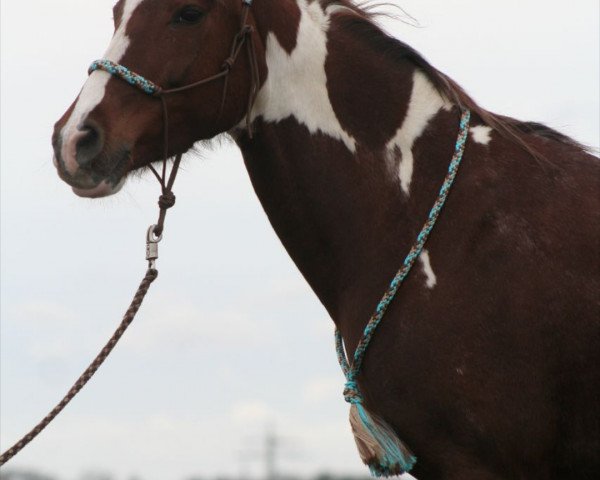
point(243, 37)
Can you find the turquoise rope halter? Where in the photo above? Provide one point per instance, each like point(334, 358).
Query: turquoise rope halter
point(352, 393)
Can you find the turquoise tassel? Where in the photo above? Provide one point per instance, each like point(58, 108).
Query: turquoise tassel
point(378, 445)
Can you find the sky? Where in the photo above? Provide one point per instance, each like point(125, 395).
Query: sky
point(231, 341)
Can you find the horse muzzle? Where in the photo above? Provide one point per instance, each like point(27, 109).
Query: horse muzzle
point(83, 160)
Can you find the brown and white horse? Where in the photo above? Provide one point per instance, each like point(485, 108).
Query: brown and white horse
point(488, 362)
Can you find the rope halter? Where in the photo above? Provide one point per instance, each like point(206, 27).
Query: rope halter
point(243, 37)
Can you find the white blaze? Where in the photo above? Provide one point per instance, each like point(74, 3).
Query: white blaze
point(94, 89)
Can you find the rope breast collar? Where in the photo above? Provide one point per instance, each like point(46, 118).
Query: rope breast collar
point(378, 444)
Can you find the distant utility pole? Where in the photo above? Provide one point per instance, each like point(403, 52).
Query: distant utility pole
point(269, 452)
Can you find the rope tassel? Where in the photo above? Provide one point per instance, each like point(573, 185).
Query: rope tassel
point(378, 445)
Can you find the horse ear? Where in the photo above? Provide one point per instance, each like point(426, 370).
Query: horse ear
point(378, 445)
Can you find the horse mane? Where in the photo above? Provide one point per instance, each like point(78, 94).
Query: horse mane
point(361, 20)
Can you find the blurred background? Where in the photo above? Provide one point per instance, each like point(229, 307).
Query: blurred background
point(212, 381)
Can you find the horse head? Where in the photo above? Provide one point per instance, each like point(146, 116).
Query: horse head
point(112, 129)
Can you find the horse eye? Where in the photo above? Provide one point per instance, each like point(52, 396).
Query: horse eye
point(188, 16)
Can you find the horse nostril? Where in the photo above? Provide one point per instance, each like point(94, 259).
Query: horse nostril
point(89, 143)
point(89, 138)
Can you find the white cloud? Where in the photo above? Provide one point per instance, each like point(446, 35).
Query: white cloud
point(316, 390)
point(44, 314)
point(49, 329)
point(182, 324)
point(252, 413)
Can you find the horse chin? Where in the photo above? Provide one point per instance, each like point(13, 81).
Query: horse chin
point(103, 189)
point(104, 181)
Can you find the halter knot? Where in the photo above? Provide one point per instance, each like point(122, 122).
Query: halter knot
point(351, 393)
point(167, 200)
point(246, 30)
point(228, 64)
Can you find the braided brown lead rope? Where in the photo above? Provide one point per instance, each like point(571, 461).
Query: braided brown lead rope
point(149, 278)
point(154, 236)
point(167, 200)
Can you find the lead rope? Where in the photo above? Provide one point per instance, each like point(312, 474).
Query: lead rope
point(166, 201)
point(153, 237)
point(152, 241)
point(149, 278)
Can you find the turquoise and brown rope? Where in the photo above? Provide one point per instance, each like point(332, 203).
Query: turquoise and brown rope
point(124, 73)
point(378, 444)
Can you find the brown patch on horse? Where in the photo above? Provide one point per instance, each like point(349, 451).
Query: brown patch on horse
point(282, 21)
point(118, 12)
point(362, 24)
point(369, 100)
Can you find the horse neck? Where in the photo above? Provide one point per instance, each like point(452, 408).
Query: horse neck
point(340, 159)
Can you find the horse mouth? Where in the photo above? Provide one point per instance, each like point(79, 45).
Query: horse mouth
point(103, 189)
point(105, 178)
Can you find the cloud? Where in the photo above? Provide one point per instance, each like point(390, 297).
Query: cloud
point(317, 390)
point(252, 412)
point(170, 446)
point(182, 324)
point(42, 313)
point(47, 330)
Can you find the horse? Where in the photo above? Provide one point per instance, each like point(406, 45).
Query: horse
point(487, 363)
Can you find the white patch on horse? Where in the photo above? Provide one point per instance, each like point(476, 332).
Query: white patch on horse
point(425, 103)
point(296, 85)
point(429, 273)
point(482, 134)
point(94, 89)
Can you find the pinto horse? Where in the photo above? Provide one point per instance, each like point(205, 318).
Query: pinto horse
point(488, 362)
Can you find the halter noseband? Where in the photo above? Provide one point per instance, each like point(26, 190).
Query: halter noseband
point(151, 88)
point(124, 73)
point(243, 37)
